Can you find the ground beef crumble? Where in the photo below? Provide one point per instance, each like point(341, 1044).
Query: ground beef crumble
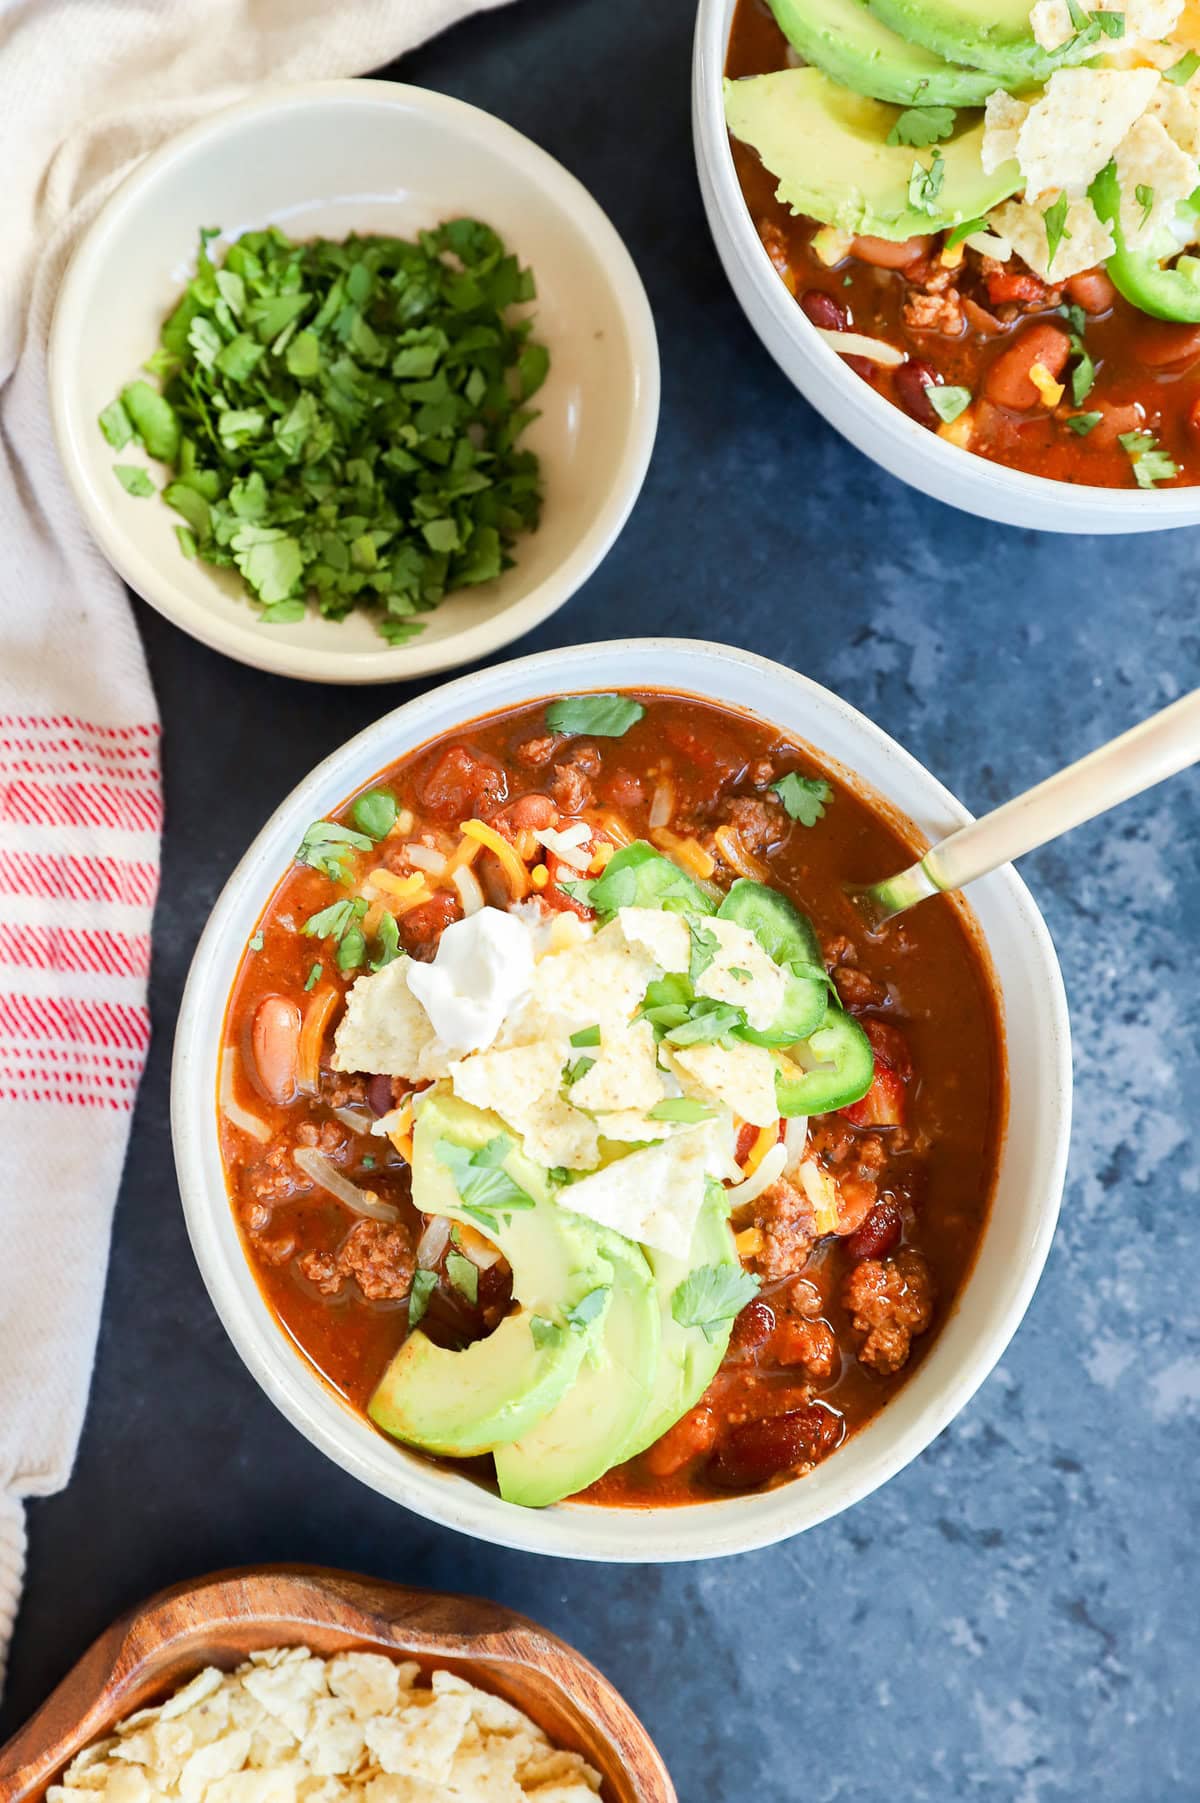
point(377, 1256)
point(891, 1301)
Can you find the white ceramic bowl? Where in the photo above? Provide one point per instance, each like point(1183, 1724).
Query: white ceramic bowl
point(1015, 1242)
point(364, 156)
point(884, 432)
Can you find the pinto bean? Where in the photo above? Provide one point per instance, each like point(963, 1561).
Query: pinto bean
point(911, 380)
point(1008, 383)
point(1092, 290)
point(887, 253)
point(758, 1450)
point(275, 1047)
point(1162, 344)
point(824, 311)
point(1114, 421)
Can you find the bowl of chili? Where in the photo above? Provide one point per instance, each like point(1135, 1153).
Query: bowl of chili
point(475, 425)
point(1084, 454)
point(869, 1330)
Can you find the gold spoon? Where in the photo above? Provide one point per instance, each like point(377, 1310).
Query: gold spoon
point(1147, 754)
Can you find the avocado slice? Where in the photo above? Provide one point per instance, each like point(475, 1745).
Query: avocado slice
point(828, 147)
point(688, 1360)
point(599, 1419)
point(496, 1389)
point(847, 41)
point(985, 34)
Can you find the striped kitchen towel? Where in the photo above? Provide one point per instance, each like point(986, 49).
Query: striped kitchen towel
point(89, 86)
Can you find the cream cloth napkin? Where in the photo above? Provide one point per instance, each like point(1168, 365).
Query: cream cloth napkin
point(89, 86)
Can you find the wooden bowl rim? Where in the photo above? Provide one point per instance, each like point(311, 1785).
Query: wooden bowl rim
point(91, 1698)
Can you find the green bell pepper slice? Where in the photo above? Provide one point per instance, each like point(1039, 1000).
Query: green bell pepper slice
point(1146, 281)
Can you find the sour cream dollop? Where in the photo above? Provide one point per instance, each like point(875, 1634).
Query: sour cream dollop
point(482, 972)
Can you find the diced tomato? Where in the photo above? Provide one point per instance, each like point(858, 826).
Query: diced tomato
point(462, 784)
point(889, 1046)
point(883, 1104)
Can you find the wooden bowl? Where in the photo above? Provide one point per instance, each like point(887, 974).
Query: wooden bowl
point(220, 1619)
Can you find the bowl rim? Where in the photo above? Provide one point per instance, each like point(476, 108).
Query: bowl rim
point(272, 651)
point(572, 1530)
point(1014, 492)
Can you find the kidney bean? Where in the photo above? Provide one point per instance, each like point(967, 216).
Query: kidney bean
point(379, 1095)
point(752, 1329)
point(275, 1047)
point(911, 380)
point(824, 311)
point(1114, 421)
point(758, 1450)
point(886, 253)
point(1162, 344)
point(1007, 382)
point(1092, 290)
point(879, 1233)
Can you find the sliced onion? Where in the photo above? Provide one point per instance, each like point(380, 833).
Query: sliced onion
point(433, 1241)
point(567, 845)
point(469, 893)
point(232, 1109)
point(662, 803)
point(822, 1192)
point(362, 1201)
point(795, 1139)
point(425, 858)
point(770, 1167)
point(854, 344)
point(349, 1117)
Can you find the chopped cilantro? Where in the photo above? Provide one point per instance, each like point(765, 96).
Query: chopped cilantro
point(424, 1283)
point(704, 947)
point(680, 1108)
point(1144, 195)
point(326, 845)
point(546, 1333)
point(333, 921)
point(256, 944)
point(464, 1276)
point(375, 813)
point(736, 970)
point(350, 413)
point(133, 479)
point(1083, 423)
point(1150, 465)
point(600, 716)
point(580, 891)
point(706, 1021)
point(1182, 71)
point(484, 1186)
point(1054, 217)
point(586, 1036)
point(925, 184)
point(710, 1297)
point(805, 798)
point(966, 229)
point(947, 401)
point(587, 1308)
point(368, 1163)
point(314, 976)
point(351, 949)
point(1083, 375)
point(573, 1072)
point(387, 942)
point(921, 126)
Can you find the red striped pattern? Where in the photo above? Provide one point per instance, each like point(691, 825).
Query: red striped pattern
point(81, 804)
point(53, 948)
point(55, 878)
point(68, 1018)
point(82, 781)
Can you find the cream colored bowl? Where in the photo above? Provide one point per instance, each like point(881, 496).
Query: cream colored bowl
point(1015, 1242)
point(330, 159)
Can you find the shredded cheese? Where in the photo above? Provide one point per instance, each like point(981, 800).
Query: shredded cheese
point(687, 852)
point(1050, 391)
point(767, 1137)
point(399, 886)
point(515, 872)
point(748, 1242)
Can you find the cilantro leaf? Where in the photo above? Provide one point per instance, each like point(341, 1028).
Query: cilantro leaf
point(387, 941)
point(925, 184)
point(599, 716)
point(314, 976)
point(332, 922)
point(587, 1308)
point(1054, 217)
point(375, 813)
point(573, 1072)
point(133, 479)
point(805, 798)
point(947, 401)
point(704, 947)
point(1150, 464)
point(464, 1276)
point(921, 126)
point(424, 1283)
point(115, 425)
point(710, 1297)
point(1144, 195)
point(706, 1021)
point(966, 229)
point(580, 891)
point(326, 845)
point(546, 1333)
point(1083, 423)
point(484, 1186)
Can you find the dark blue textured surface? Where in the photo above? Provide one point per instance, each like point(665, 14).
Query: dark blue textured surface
point(1015, 1616)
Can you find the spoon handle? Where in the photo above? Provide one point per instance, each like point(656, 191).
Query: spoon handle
point(1147, 754)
